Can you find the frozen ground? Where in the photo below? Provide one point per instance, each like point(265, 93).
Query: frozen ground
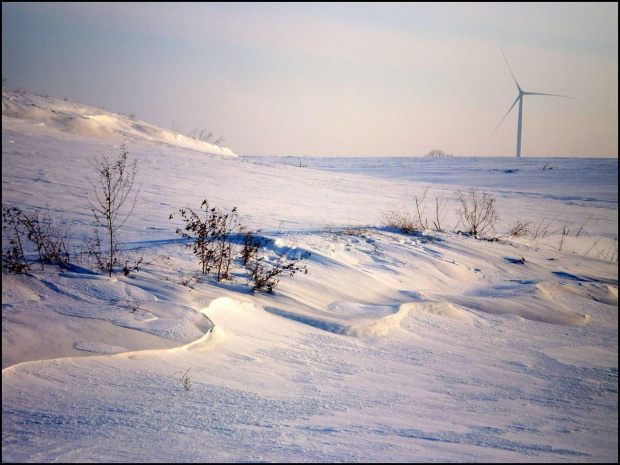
point(433, 346)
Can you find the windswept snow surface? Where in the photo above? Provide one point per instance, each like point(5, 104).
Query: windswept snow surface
point(433, 346)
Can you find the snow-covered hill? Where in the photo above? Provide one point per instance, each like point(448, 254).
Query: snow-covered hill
point(79, 120)
point(432, 346)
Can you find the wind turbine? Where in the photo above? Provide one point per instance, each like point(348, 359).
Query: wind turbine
point(519, 99)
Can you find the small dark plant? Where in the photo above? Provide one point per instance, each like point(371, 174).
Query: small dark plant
point(93, 250)
point(185, 381)
point(185, 281)
point(13, 259)
point(251, 245)
point(135, 306)
point(565, 233)
point(129, 268)
point(265, 274)
point(208, 234)
point(399, 220)
point(519, 229)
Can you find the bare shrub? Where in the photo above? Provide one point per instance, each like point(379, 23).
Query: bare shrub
point(265, 274)
point(399, 220)
point(519, 228)
point(186, 280)
point(111, 191)
point(209, 237)
point(135, 267)
point(251, 245)
point(354, 230)
point(184, 380)
point(136, 306)
point(49, 238)
point(477, 212)
point(203, 135)
point(93, 249)
point(13, 259)
point(404, 220)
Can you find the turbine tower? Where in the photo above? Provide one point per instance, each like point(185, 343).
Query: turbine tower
point(519, 99)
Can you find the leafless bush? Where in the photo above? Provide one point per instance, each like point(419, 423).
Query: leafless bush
point(49, 238)
point(251, 245)
point(519, 228)
point(418, 222)
point(184, 380)
point(203, 135)
point(135, 267)
point(14, 259)
point(477, 212)
point(135, 306)
point(353, 230)
point(186, 280)
point(93, 249)
point(111, 191)
point(265, 274)
point(209, 237)
point(399, 220)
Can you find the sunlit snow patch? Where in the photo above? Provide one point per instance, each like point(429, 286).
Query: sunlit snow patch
point(351, 318)
point(529, 300)
point(98, 347)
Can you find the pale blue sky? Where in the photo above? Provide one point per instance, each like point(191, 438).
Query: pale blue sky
point(323, 79)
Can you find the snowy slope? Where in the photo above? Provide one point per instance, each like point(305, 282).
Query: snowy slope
point(433, 346)
point(94, 123)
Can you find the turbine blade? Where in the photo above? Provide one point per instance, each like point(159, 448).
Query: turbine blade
point(511, 107)
point(551, 95)
point(509, 69)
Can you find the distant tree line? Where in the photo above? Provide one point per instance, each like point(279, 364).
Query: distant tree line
point(438, 153)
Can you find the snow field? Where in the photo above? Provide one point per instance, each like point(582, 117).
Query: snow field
point(432, 346)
